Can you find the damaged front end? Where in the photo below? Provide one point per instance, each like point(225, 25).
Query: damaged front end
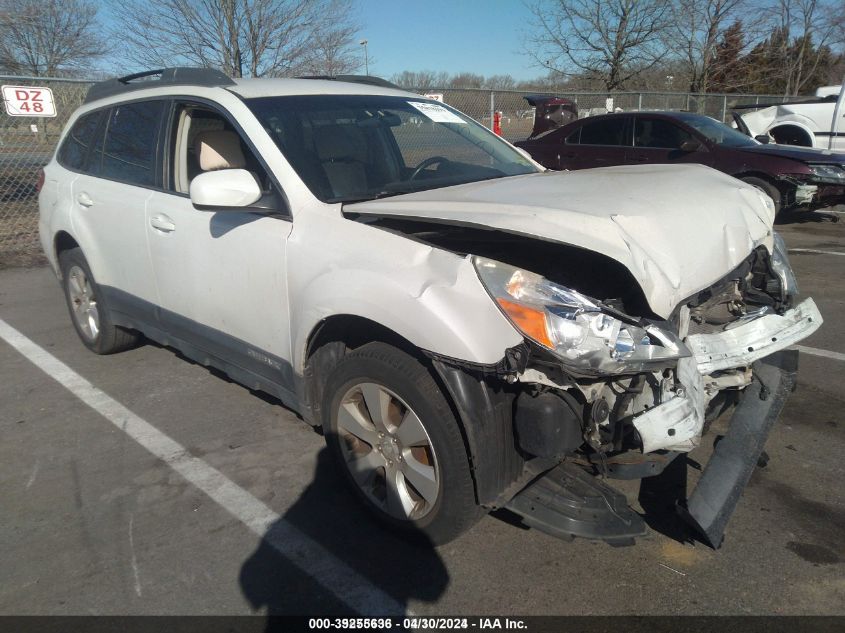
point(595, 391)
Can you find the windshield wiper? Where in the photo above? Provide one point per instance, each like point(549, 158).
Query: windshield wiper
point(373, 196)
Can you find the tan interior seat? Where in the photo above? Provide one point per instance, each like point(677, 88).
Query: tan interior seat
point(219, 149)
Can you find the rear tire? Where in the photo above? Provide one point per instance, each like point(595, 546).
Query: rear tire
point(394, 436)
point(88, 312)
point(768, 188)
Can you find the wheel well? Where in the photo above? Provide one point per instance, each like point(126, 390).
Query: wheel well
point(63, 242)
point(333, 338)
point(354, 331)
point(329, 342)
point(791, 135)
point(756, 174)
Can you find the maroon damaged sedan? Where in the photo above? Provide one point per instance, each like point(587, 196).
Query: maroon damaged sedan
point(793, 176)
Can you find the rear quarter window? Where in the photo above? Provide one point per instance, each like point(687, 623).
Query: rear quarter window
point(128, 152)
point(74, 150)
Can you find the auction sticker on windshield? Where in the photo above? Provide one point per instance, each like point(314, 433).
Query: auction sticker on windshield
point(28, 101)
point(437, 113)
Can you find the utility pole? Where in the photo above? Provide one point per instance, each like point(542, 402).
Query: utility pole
point(366, 57)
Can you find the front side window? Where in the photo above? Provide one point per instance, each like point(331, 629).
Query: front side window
point(658, 133)
point(716, 131)
point(204, 140)
point(128, 152)
point(358, 147)
point(605, 132)
point(75, 147)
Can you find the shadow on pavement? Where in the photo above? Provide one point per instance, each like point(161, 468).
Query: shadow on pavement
point(659, 497)
point(404, 567)
point(799, 216)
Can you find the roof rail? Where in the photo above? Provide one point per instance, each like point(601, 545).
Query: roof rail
point(369, 80)
point(166, 77)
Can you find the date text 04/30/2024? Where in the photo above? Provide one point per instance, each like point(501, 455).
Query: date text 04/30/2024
point(416, 623)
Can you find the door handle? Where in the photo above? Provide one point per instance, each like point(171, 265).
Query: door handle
point(84, 200)
point(162, 223)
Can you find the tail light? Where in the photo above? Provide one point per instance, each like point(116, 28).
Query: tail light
point(40, 182)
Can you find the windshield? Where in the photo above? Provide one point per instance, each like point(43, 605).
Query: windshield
point(358, 147)
point(717, 132)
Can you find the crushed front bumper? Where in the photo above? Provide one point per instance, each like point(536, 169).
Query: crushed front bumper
point(676, 425)
point(714, 499)
point(754, 340)
point(567, 502)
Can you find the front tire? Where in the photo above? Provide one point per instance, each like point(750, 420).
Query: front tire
point(768, 188)
point(394, 436)
point(88, 313)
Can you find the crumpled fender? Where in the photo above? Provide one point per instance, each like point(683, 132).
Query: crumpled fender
point(428, 296)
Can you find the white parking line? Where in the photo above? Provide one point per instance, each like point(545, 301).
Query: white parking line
point(813, 250)
point(329, 571)
point(814, 351)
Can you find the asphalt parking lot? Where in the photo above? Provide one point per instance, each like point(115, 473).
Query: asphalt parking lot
point(159, 487)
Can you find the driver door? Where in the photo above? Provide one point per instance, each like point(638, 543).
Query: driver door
point(659, 140)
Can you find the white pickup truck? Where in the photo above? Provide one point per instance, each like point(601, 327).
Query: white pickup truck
point(814, 122)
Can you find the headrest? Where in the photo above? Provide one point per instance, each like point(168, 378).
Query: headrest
point(219, 149)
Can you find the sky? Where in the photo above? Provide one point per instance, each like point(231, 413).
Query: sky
point(478, 36)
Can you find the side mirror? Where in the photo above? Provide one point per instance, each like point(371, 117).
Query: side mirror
point(762, 138)
point(690, 145)
point(226, 188)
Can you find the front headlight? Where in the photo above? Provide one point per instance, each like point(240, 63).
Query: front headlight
point(782, 267)
point(585, 334)
point(828, 172)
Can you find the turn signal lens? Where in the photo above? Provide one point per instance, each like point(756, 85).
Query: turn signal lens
point(531, 321)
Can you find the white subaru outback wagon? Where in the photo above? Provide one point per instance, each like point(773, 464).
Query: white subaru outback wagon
point(468, 330)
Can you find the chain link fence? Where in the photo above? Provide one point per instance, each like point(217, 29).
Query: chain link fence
point(517, 117)
point(27, 143)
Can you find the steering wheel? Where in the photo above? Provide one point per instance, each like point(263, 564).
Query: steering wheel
point(428, 162)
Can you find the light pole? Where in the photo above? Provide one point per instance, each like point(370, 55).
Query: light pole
point(366, 57)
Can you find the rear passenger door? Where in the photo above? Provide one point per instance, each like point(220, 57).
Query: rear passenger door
point(109, 198)
point(598, 143)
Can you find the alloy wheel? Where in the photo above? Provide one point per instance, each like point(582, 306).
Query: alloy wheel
point(83, 303)
point(388, 451)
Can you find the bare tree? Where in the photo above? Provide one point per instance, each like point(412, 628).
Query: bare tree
point(466, 80)
point(240, 37)
point(500, 82)
point(610, 40)
point(422, 80)
point(696, 29)
point(334, 48)
point(48, 37)
point(814, 23)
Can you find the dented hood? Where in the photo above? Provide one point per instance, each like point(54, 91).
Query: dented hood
point(677, 228)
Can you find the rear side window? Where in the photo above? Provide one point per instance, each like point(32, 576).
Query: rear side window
point(128, 153)
point(605, 132)
point(75, 148)
point(659, 133)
